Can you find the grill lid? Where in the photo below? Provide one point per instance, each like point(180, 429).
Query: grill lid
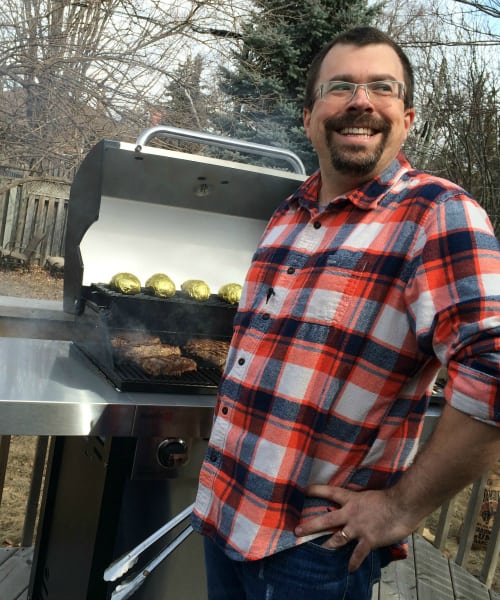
point(139, 209)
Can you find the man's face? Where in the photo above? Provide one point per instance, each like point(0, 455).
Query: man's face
point(360, 137)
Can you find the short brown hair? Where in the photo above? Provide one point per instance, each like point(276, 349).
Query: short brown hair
point(359, 36)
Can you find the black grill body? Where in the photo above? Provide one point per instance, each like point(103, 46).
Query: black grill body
point(174, 320)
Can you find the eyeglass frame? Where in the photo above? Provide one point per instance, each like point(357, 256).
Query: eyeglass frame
point(401, 88)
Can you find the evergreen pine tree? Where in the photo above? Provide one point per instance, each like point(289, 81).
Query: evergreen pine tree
point(186, 103)
point(266, 88)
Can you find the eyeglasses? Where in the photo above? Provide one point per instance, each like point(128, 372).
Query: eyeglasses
point(376, 91)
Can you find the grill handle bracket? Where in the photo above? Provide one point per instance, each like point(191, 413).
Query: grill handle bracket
point(223, 142)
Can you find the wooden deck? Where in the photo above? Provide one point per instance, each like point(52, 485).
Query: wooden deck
point(426, 575)
point(15, 567)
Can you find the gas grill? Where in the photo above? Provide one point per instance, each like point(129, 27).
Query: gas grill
point(127, 458)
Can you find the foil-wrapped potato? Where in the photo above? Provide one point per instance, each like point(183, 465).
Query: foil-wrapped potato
point(196, 289)
point(231, 293)
point(126, 283)
point(161, 285)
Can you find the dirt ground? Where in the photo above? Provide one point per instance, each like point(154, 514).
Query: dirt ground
point(37, 283)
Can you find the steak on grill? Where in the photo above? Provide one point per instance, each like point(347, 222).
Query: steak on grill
point(140, 352)
point(126, 339)
point(154, 358)
point(167, 366)
point(212, 351)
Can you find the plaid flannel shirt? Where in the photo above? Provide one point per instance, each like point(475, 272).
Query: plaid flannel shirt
point(345, 318)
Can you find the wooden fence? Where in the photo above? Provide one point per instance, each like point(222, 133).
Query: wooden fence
point(29, 210)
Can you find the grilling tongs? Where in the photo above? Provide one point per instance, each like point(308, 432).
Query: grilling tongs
point(122, 565)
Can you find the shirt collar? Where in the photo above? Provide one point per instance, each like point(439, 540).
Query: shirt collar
point(367, 196)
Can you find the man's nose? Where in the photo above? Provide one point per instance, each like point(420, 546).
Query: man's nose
point(361, 97)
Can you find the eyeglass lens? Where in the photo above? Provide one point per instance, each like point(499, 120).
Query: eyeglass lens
point(374, 89)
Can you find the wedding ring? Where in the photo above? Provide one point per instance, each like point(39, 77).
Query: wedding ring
point(345, 535)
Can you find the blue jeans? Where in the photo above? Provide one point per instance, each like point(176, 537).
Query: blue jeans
point(302, 573)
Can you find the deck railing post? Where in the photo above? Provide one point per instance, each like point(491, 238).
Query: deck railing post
point(470, 521)
point(4, 457)
point(443, 526)
point(492, 552)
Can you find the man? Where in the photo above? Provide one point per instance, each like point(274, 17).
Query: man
point(367, 279)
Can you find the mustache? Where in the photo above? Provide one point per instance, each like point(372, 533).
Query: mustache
point(356, 120)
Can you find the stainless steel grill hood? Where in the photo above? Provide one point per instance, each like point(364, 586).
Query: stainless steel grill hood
point(154, 210)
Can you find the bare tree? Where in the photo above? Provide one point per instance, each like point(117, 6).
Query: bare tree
point(457, 129)
point(74, 71)
point(490, 7)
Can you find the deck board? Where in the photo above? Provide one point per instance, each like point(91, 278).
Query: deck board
point(432, 572)
point(15, 567)
point(465, 586)
point(429, 575)
point(398, 580)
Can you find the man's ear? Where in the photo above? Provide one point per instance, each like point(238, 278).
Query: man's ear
point(307, 121)
point(408, 119)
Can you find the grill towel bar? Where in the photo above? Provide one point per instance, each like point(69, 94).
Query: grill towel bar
point(125, 589)
point(122, 565)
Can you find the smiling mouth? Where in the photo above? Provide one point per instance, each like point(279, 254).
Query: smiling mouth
point(360, 131)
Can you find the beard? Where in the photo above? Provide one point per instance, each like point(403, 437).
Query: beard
point(355, 159)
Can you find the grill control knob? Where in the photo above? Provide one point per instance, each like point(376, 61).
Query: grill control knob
point(172, 453)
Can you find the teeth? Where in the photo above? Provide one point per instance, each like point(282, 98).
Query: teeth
point(356, 131)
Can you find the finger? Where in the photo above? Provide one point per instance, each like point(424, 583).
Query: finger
point(337, 495)
point(344, 536)
point(360, 552)
point(340, 538)
point(329, 521)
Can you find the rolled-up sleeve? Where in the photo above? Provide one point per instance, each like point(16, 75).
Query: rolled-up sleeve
point(455, 303)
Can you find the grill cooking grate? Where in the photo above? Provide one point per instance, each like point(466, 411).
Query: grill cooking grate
point(175, 321)
point(128, 377)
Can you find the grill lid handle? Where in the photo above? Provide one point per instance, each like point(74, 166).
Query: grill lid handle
point(223, 142)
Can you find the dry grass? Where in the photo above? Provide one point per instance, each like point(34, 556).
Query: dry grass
point(16, 489)
point(35, 283)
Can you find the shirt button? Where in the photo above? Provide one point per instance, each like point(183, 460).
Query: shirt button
point(266, 316)
point(290, 270)
point(241, 361)
point(316, 224)
point(225, 410)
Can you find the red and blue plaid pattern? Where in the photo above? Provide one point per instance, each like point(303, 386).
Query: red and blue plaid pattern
point(346, 316)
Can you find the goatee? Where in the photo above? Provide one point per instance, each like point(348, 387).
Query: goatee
point(354, 159)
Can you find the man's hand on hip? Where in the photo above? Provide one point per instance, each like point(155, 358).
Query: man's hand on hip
point(372, 518)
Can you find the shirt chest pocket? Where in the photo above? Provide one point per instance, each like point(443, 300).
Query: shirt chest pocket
point(336, 288)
